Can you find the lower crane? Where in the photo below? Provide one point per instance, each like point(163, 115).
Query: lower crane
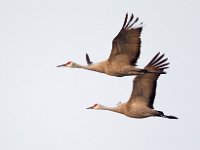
point(140, 104)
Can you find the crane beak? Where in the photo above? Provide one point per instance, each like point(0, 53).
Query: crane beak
point(90, 107)
point(61, 65)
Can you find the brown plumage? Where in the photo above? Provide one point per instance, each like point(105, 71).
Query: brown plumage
point(124, 54)
point(140, 104)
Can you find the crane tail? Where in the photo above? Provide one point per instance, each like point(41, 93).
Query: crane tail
point(161, 114)
point(171, 117)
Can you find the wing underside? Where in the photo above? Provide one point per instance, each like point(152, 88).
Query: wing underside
point(128, 40)
point(144, 86)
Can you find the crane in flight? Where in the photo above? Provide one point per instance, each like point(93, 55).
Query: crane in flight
point(124, 54)
point(140, 104)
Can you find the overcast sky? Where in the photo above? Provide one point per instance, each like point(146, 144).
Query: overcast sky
point(43, 107)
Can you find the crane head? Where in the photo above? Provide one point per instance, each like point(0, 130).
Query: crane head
point(95, 106)
point(68, 64)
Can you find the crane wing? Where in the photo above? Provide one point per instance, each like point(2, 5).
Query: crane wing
point(89, 62)
point(127, 41)
point(144, 86)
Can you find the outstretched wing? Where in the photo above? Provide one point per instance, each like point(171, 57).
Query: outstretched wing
point(127, 41)
point(144, 86)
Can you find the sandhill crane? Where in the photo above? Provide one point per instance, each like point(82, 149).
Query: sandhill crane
point(124, 54)
point(140, 104)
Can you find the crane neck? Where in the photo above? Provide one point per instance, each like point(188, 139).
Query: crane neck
point(117, 109)
point(98, 67)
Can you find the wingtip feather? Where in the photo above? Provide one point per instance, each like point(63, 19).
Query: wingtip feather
point(89, 62)
point(158, 63)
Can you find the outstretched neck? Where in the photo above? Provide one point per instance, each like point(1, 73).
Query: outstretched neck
point(114, 109)
point(98, 67)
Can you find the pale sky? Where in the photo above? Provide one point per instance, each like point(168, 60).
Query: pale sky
point(43, 107)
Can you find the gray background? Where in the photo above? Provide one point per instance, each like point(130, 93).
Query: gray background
point(43, 107)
